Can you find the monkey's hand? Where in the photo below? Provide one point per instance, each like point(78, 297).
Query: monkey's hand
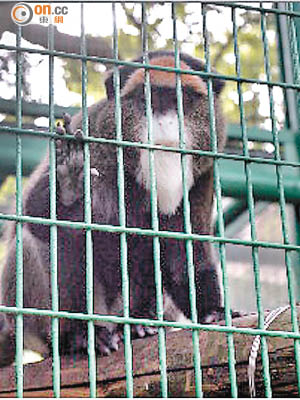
point(70, 161)
point(140, 331)
point(66, 149)
point(106, 341)
point(219, 315)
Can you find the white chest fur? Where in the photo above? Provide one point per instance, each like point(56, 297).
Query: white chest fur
point(168, 167)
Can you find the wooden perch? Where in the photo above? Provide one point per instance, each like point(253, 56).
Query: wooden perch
point(214, 360)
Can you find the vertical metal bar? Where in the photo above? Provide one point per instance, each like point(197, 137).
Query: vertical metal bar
point(287, 67)
point(280, 186)
point(88, 220)
point(187, 215)
point(19, 225)
point(251, 208)
point(289, 54)
point(154, 216)
point(53, 228)
point(294, 35)
point(217, 184)
point(294, 43)
point(122, 213)
point(297, 237)
point(295, 32)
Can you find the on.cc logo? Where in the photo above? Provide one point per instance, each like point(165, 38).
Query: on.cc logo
point(21, 13)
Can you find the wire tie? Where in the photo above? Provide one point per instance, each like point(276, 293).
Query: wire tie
point(256, 345)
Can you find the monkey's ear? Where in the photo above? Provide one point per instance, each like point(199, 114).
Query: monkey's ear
point(124, 72)
point(218, 85)
point(199, 65)
point(109, 83)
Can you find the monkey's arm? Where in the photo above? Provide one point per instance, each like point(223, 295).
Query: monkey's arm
point(70, 155)
point(69, 189)
point(208, 289)
point(200, 126)
point(69, 163)
point(207, 270)
point(208, 294)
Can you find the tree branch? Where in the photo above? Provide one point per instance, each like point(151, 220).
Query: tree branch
point(38, 34)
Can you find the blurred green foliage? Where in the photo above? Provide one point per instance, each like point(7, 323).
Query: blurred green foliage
point(7, 199)
point(7, 190)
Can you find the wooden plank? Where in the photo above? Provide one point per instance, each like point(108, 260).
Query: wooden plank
point(213, 346)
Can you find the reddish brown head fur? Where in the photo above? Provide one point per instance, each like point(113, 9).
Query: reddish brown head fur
point(164, 78)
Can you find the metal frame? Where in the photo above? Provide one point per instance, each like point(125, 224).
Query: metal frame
point(291, 85)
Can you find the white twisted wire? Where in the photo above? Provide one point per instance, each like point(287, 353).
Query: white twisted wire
point(255, 348)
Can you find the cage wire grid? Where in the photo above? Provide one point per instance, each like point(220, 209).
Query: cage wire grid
point(155, 233)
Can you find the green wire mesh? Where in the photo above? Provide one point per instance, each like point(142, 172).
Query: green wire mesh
point(19, 236)
point(220, 240)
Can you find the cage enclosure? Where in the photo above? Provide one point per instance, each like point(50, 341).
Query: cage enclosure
point(54, 60)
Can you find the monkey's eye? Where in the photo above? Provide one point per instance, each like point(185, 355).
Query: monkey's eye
point(137, 96)
point(163, 99)
point(190, 98)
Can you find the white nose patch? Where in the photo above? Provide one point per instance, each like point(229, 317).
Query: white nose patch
point(168, 170)
point(166, 129)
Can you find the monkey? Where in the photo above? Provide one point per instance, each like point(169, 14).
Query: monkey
point(71, 245)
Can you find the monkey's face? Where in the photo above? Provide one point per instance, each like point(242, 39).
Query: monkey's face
point(165, 127)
